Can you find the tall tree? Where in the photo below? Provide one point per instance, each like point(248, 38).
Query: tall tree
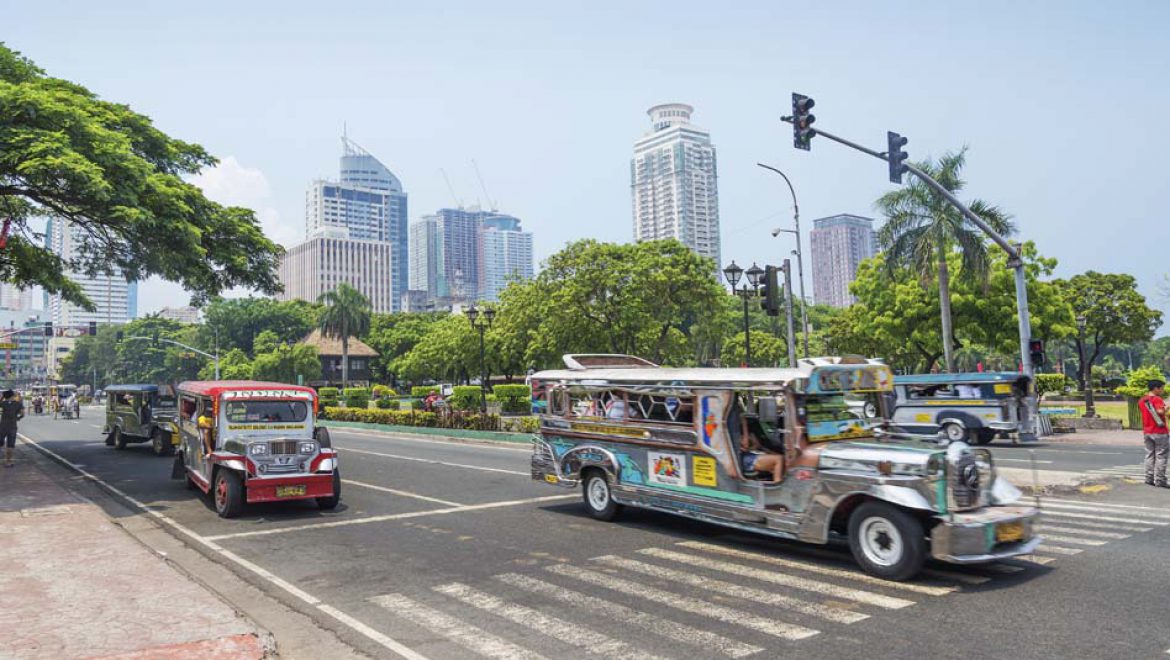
point(118, 181)
point(922, 227)
point(238, 322)
point(346, 314)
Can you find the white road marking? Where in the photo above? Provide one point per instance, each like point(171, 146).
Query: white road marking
point(430, 461)
point(1021, 460)
point(1036, 560)
point(1098, 525)
point(1073, 540)
point(721, 613)
point(734, 590)
point(392, 516)
point(385, 641)
point(1085, 532)
point(816, 586)
point(570, 633)
point(1045, 548)
point(815, 568)
point(403, 493)
point(464, 634)
point(1107, 505)
point(430, 440)
point(1061, 506)
point(652, 622)
point(1046, 513)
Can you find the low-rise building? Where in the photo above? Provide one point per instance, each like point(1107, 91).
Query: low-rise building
point(361, 358)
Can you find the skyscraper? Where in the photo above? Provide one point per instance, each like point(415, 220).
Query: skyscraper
point(115, 299)
point(505, 253)
point(674, 182)
point(839, 244)
point(14, 298)
point(319, 264)
point(427, 273)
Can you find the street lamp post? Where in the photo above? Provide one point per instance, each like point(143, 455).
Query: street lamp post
point(733, 273)
point(799, 252)
point(1086, 369)
point(481, 324)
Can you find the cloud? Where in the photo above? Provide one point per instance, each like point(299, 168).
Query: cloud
point(233, 184)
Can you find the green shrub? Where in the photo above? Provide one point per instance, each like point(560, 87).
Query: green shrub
point(465, 397)
point(1051, 383)
point(383, 392)
point(327, 397)
point(1136, 380)
point(421, 391)
point(357, 397)
point(385, 404)
point(472, 421)
point(516, 399)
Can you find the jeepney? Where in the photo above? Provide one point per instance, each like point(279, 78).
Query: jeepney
point(250, 441)
point(141, 413)
point(63, 401)
point(965, 407)
point(634, 434)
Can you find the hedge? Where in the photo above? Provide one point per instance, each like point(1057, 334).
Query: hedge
point(516, 399)
point(469, 421)
point(327, 396)
point(383, 391)
point(357, 397)
point(420, 391)
point(465, 397)
point(385, 404)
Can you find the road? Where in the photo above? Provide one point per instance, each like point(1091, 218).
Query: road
point(447, 550)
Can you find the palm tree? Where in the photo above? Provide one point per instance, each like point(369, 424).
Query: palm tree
point(922, 228)
point(346, 314)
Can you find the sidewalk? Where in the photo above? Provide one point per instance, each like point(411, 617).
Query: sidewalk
point(1093, 437)
point(74, 585)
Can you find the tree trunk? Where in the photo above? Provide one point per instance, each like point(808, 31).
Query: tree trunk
point(944, 306)
point(344, 362)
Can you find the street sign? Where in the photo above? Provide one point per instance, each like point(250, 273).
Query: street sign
point(8, 346)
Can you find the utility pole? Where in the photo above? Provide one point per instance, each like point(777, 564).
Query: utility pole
point(799, 253)
point(787, 268)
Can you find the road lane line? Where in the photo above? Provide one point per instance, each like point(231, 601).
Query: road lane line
point(385, 641)
point(1084, 532)
point(1098, 525)
point(1060, 506)
point(403, 493)
point(464, 634)
point(836, 614)
point(568, 632)
point(1073, 540)
point(429, 440)
point(430, 461)
point(651, 622)
point(1107, 505)
point(816, 568)
point(816, 586)
point(1045, 548)
point(1046, 513)
point(998, 459)
point(721, 613)
point(392, 516)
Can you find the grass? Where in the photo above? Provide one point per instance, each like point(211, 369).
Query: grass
point(1109, 409)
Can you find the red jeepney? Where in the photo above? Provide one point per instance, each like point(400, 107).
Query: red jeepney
point(252, 441)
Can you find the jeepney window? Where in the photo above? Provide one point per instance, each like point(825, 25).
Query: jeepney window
point(187, 408)
point(662, 408)
point(267, 411)
point(829, 417)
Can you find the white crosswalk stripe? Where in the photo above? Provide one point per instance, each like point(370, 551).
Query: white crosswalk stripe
point(1099, 525)
point(1036, 559)
point(570, 633)
point(721, 613)
point(1155, 516)
point(1044, 529)
point(1048, 549)
point(1104, 505)
point(1060, 538)
point(464, 634)
point(746, 593)
point(1048, 513)
point(652, 622)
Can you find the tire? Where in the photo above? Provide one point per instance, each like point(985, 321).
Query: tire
point(985, 436)
point(161, 443)
point(598, 497)
point(886, 541)
point(330, 503)
point(119, 438)
point(228, 492)
point(110, 439)
point(952, 432)
point(321, 435)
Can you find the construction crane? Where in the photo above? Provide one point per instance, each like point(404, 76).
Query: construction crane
point(451, 188)
point(486, 196)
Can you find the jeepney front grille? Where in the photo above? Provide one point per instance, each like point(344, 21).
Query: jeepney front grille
point(282, 447)
point(966, 482)
point(272, 468)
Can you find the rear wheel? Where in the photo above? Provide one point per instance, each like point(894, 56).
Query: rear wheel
point(330, 503)
point(985, 436)
point(229, 493)
point(598, 498)
point(119, 438)
point(953, 432)
point(886, 541)
point(160, 441)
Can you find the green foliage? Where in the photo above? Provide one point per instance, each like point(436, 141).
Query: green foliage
point(449, 352)
point(465, 421)
point(515, 399)
point(233, 365)
point(66, 154)
point(1051, 383)
point(1136, 381)
point(346, 314)
point(357, 397)
point(421, 391)
point(767, 350)
point(284, 363)
point(239, 323)
point(393, 336)
point(1113, 310)
point(136, 360)
point(328, 397)
point(465, 397)
point(385, 404)
point(383, 391)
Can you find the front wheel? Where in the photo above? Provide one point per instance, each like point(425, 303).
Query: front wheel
point(161, 443)
point(330, 503)
point(229, 493)
point(119, 438)
point(953, 432)
point(886, 541)
point(598, 498)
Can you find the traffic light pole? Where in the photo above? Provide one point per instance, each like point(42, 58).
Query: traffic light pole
point(179, 343)
point(1015, 262)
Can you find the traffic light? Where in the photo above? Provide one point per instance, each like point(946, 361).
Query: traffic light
point(896, 156)
point(770, 291)
point(118, 336)
point(802, 121)
point(49, 329)
point(93, 328)
point(1036, 348)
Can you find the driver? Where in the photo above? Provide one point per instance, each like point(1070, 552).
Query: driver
point(754, 457)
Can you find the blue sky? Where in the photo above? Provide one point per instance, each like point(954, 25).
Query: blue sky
point(1063, 105)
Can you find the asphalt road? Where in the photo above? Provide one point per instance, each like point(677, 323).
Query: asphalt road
point(446, 550)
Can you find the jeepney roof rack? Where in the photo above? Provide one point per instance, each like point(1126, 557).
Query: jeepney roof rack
point(583, 361)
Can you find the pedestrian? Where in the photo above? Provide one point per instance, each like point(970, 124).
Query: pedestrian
point(11, 412)
point(1157, 435)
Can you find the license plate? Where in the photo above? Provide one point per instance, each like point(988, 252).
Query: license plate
point(289, 491)
point(551, 478)
point(1007, 532)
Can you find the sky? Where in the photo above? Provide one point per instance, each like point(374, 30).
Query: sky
point(1063, 106)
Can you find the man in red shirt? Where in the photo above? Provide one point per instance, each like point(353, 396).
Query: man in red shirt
point(1156, 433)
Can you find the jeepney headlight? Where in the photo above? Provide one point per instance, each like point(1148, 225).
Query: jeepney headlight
point(308, 447)
point(258, 449)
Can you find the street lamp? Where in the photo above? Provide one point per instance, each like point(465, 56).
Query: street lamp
point(481, 324)
point(799, 252)
point(734, 273)
point(1086, 369)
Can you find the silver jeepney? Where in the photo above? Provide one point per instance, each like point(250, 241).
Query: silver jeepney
point(631, 433)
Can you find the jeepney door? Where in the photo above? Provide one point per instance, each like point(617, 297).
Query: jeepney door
point(711, 410)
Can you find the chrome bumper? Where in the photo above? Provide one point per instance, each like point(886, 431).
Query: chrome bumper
point(970, 537)
point(1003, 426)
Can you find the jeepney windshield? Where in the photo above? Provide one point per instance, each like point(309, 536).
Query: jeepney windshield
point(266, 411)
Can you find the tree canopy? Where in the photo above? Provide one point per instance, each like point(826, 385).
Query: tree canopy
point(67, 154)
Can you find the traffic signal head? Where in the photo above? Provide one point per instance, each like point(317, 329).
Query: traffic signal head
point(1036, 349)
point(49, 329)
point(802, 121)
point(93, 328)
point(896, 156)
point(118, 336)
point(770, 292)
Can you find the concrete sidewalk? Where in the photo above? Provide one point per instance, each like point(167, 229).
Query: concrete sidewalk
point(75, 585)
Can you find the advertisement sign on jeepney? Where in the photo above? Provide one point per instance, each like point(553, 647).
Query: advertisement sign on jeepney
point(703, 471)
point(267, 394)
point(838, 379)
point(667, 469)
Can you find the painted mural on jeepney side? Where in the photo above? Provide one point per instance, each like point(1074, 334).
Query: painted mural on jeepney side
point(667, 469)
point(868, 378)
point(711, 420)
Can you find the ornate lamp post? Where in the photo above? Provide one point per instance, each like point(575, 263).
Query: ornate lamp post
point(481, 324)
point(734, 273)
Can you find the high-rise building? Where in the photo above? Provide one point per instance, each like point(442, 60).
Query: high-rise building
point(505, 254)
point(674, 182)
point(839, 244)
point(427, 272)
point(115, 300)
point(15, 298)
point(366, 204)
point(321, 263)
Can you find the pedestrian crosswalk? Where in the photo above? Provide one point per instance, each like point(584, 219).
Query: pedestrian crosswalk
point(710, 599)
point(1136, 472)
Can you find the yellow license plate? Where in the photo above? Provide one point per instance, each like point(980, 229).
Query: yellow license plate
point(552, 479)
point(289, 491)
point(1010, 531)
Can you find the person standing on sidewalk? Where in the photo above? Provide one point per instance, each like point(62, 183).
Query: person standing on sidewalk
point(1157, 434)
point(11, 412)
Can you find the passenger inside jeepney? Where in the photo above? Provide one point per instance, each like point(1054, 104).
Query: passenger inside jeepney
point(756, 460)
